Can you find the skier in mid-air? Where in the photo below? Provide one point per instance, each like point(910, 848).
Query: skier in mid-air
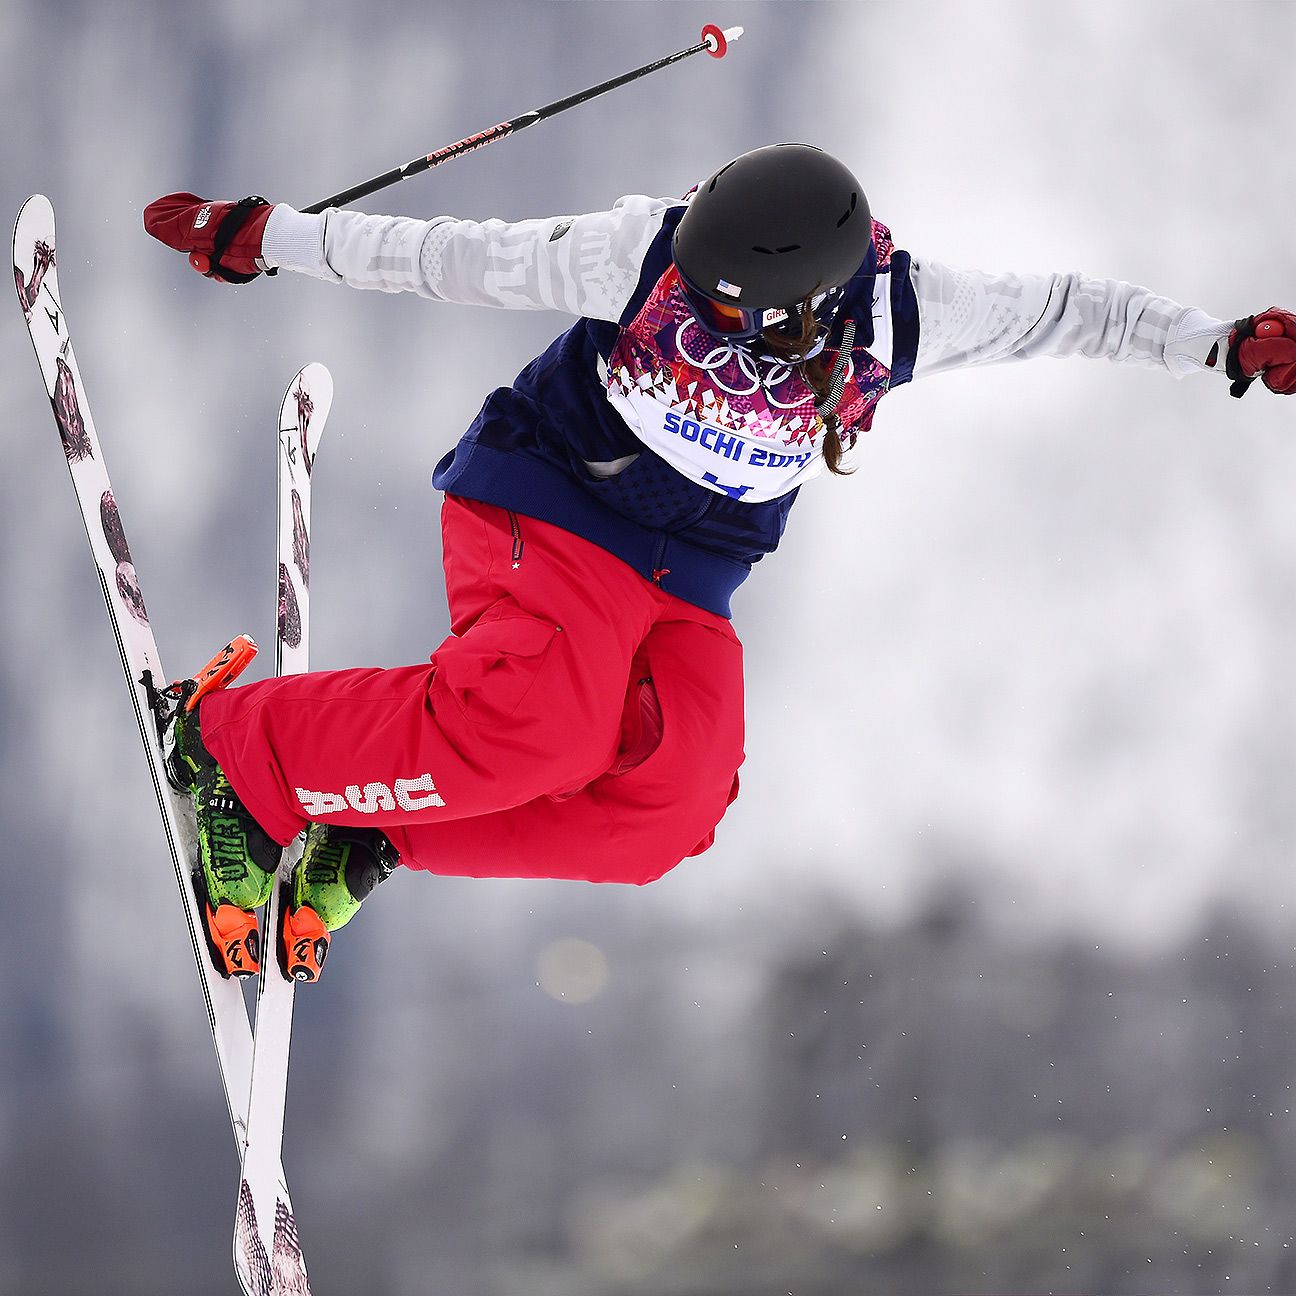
point(584, 717)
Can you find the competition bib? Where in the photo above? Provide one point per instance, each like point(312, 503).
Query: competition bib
point(746, 467)
point(737, 423)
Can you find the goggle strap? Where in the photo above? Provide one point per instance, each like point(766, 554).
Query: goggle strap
point(837, 382)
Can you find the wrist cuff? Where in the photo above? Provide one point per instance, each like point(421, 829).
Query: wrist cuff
point(294, 241)
point(1189, 345)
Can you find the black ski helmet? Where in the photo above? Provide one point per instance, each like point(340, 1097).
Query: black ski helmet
point(773, 227)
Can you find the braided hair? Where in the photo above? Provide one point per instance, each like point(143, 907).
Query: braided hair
point(817, 373)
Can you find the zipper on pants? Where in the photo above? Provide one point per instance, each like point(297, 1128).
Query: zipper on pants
point(659, 550)
point(518, 544)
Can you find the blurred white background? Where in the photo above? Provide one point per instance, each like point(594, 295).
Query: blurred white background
point(1037, 654)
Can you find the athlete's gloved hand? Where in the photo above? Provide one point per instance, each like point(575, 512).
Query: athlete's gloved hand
point(223, 239)
point(1263, 346)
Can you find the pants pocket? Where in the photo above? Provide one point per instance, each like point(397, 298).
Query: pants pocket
point(489, 670)
point(641, 726)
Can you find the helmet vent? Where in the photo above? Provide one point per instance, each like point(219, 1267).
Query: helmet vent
point(715, 179)
point(791, 247)
point(849, 212)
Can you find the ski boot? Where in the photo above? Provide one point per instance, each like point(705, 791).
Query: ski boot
point(237, 859)
point(339, 867)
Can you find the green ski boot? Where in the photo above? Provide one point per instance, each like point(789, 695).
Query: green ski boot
point(339, 867)
point(237, 859)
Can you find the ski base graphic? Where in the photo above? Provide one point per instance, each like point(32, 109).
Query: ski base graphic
point(281, 1268)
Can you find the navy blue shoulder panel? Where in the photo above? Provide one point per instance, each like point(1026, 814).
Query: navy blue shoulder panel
point(857, 302)
point(904, 321)
point(657, 260)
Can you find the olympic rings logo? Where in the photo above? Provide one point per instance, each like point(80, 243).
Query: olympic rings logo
point(717, 355)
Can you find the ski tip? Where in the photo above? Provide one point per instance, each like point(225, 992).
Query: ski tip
point(306, 406)
point(36, 203)
point(36, 207)
point(319, 382)
point(312, 374)
point(33, 258)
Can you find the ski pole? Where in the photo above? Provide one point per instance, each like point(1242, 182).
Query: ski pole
point(714, 41)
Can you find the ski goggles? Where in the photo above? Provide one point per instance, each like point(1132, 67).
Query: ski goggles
point(736, 323)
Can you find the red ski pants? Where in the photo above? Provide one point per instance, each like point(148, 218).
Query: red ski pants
point(577, 723)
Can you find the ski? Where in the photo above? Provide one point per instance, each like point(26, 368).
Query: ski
point(39, 295)
point(267, 1252)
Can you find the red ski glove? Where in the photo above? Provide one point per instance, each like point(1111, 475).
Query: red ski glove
point(223, 239)
point(1263, 346)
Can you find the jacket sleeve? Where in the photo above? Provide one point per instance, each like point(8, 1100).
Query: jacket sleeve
point(969, 317)
point(584, 265)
